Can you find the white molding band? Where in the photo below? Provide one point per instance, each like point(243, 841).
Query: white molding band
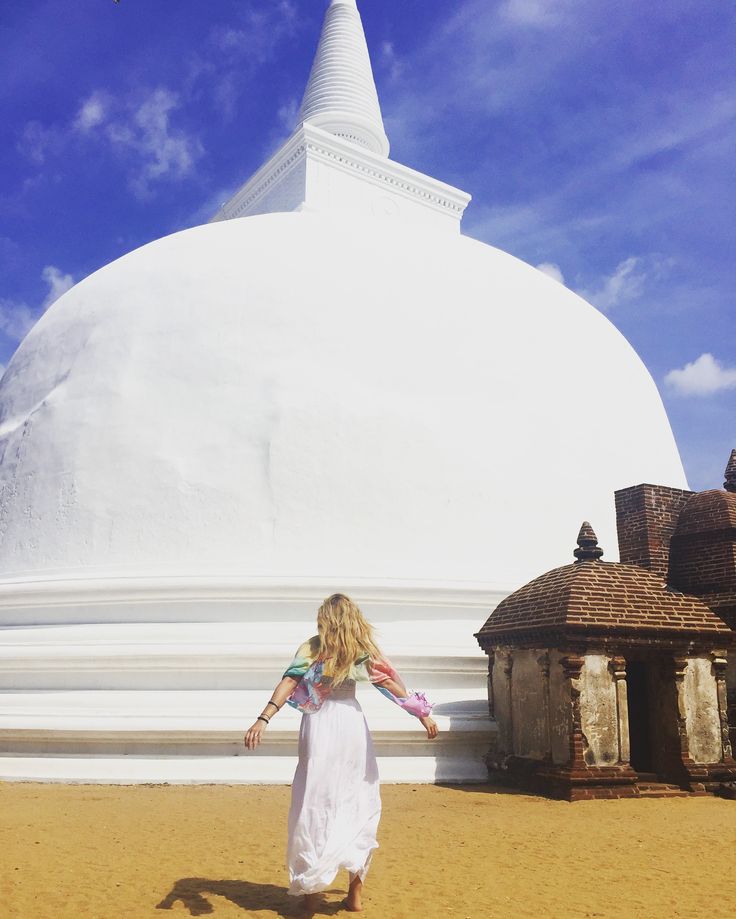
point(310, 145)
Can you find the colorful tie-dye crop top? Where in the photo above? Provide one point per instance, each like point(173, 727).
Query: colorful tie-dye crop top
point(315, 681)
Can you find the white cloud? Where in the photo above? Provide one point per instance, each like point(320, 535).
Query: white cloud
point(141, 132)
point(553, 271)
point(390, 61)
point(92, 112)
point(225, 93)
point(508, 65)
point(59, 283)
point(623, 285)
point(159, 152)
point(264, 27)
point(287, 115)
point(166, 153)
point(17, 318)
point(531, 12)
point(36, 141)
point(228, 39)
point(702, 377)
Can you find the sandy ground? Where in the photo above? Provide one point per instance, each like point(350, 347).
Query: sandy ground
point(99, 852)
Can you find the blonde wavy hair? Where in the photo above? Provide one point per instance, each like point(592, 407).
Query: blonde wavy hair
point(344, 635)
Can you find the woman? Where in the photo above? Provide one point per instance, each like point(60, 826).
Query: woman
point(335, 799)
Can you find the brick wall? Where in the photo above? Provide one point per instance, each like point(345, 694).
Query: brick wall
point(646, 517)
point(704, 563)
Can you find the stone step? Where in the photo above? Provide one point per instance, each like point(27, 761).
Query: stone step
point(216, 655)
point(244, 769)
point(156, 683)
point(456, 708)
point(163, 736)
point(661, 790)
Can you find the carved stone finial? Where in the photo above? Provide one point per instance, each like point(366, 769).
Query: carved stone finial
point(730, 483)
point(588, 549)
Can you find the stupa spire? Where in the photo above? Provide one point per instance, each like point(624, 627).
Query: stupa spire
point(341, 94)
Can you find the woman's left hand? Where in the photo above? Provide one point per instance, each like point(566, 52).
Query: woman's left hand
point(431, 727)
point(253, 735)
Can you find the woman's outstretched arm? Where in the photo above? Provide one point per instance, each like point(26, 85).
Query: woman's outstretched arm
point(280, 694)
point(396, 687)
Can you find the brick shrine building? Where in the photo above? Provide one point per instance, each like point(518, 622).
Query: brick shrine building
point(614, 679)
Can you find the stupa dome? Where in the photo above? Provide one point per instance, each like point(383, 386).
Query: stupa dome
point(301, 394)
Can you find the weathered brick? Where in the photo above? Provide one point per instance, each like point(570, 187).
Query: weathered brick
point(605, 594)
point(646, 518)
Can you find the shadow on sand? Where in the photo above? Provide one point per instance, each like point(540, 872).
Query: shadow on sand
point(487, 788)
point(191, 892)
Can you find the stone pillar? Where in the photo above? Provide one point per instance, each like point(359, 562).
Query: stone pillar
point(696, 774)
point(617, 666)
point(507, 667)
point(544, 667)
point(491, 663)
point(731, 695)
point(680, 666)
point(720, 663)
point(572, 666)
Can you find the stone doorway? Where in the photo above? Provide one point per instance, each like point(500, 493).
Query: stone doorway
point(653, 725)
point(640, 717)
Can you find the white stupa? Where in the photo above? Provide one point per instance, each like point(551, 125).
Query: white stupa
point(326, 388)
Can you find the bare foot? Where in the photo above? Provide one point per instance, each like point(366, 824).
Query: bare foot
point(354, 901)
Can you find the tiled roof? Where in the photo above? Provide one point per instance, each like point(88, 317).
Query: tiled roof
point(606, 596)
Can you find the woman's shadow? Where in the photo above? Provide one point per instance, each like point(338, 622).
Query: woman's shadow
point(191, 892)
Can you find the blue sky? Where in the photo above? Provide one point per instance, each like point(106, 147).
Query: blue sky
point(597, 138)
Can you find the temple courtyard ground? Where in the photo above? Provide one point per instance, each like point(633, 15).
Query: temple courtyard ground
point(147, 852)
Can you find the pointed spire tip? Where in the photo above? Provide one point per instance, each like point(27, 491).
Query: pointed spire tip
point(341, 95)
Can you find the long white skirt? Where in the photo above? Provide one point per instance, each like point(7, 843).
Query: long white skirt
point(335, 797)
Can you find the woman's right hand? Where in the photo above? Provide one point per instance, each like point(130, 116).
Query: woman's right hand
point(431, 727)
point(253, 735)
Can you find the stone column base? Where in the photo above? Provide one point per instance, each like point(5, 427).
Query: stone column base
point(604, 782)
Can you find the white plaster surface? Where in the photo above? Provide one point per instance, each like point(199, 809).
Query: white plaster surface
point(599, 711)
point(299, 396)
point(157, 680)
point(560, 709)
point(701, 708)
point(317, 171)
point(530, 730)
